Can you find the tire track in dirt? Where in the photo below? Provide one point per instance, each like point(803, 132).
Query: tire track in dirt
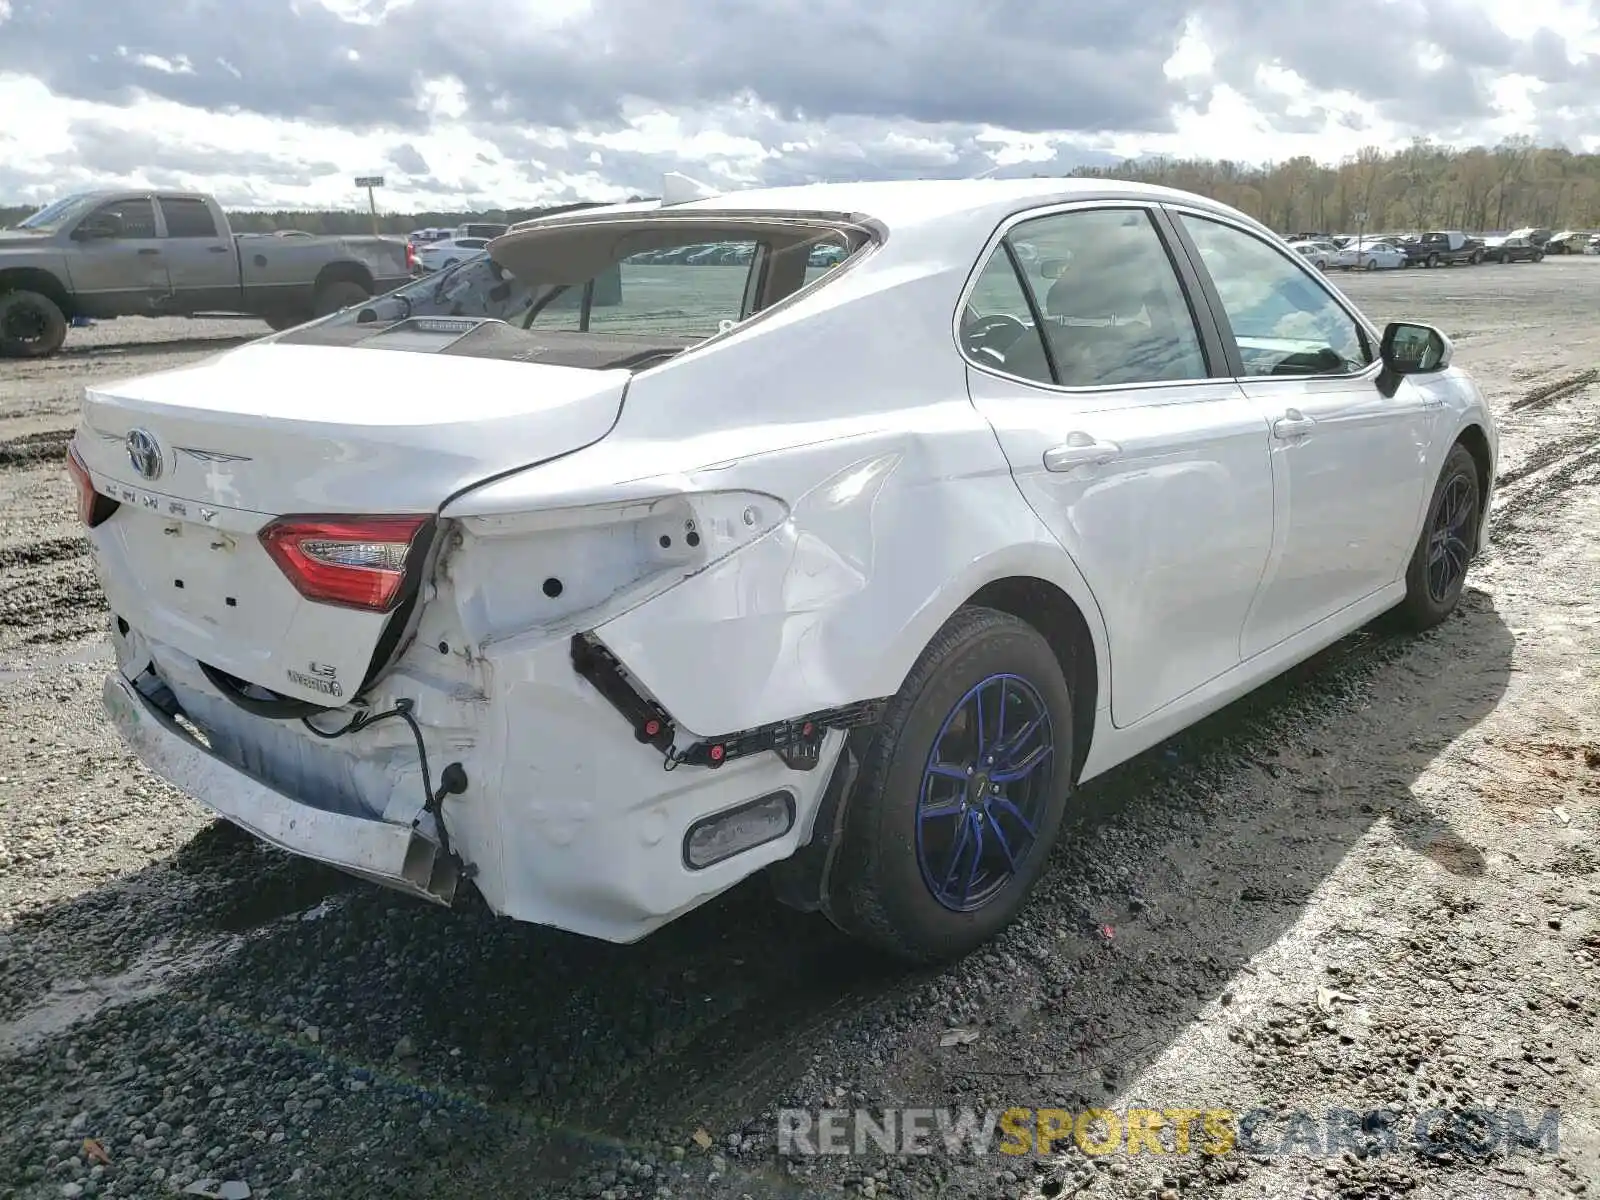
point(35, 448)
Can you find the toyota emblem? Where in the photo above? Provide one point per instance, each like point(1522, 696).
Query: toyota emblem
point(144, 452)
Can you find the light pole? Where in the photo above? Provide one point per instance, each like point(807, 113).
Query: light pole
point(370, 182)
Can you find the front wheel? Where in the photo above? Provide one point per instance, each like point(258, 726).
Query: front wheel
point(1438, 568)
point(1433, 260)
point(31, 325)
point(1372, 264)
point(961, 793)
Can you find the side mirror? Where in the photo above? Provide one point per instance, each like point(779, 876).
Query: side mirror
point(1412, 349)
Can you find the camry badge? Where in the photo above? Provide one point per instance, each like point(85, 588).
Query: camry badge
point(144, 453)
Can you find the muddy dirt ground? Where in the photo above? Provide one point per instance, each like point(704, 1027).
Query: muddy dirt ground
point(1371, 886)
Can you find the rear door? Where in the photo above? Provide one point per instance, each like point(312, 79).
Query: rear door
point(202, 263)
point(1127, 437)
point(1346, 459)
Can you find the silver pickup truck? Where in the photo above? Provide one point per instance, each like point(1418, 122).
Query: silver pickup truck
point(144, 253)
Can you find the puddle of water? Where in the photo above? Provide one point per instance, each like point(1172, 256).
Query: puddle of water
point(93, 654)
point(72, 1000)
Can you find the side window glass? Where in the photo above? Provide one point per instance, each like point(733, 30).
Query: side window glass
point(126, 218)
point(188, 218)
point(1113, 309)
point(997, 328)
point(1285, 322)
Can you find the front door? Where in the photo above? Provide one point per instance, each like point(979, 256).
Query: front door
point(1153, 473)
point(125, 273)
point(1346, 459)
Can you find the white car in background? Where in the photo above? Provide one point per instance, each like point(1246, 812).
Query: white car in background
point(1374, 256)
point(1322, 255)
point(606, 604)
point(436, 256)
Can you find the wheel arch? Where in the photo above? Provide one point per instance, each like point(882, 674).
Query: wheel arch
point(38, 279)
point(344, 271)
point(1476, 442)
point(1057, 617)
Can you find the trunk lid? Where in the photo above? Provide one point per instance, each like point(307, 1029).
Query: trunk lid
point(201, 459)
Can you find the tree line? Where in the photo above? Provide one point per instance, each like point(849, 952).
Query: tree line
point(1424, 185)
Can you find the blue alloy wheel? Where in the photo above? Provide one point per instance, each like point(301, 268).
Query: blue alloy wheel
point(1448, 539)
point(986, 789)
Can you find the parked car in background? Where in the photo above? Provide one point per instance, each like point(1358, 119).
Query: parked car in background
point(1513, 248)
point(435, 256)
point(580, 612)
point(1322, 255)
point(141, 253)
point(478, 229)
point(1443, 248)
point(1568, 241)
point(1375, 255)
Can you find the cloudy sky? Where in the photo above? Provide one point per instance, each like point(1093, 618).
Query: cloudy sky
point(472, 105)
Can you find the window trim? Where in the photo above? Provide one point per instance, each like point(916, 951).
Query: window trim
point(158, 220)
point(1211, 351)
point(166, 227)
point(1213, 298)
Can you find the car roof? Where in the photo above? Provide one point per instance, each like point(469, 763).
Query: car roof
point(901, 203)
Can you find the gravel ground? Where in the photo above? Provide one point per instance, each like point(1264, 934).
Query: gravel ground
point(1371, 885)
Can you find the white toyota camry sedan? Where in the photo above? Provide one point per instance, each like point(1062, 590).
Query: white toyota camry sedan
point(602, 574)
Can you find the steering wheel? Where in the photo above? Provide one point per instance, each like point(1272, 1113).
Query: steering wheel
point(984, 330)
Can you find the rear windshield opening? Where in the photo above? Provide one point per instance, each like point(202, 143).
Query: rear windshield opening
point(650, 289)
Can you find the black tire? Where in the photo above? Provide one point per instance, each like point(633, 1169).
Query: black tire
point(337, 294)
point(1477, 258)
point(1427, 602)
point(878, 892)
point(1538, 256)
point(1372, 264)
point(31, 325)
point(1433, 260)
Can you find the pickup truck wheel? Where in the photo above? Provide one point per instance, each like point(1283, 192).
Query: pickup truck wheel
point(960, 795)
point(1433, 260)
point(31, 325)
point(1438, 568)
point(340, 293)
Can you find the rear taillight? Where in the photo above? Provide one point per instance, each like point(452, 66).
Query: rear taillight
point(411, 256)
point(93, 508)
point(354, 562)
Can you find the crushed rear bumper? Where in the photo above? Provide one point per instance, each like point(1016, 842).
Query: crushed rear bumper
point(395, 855)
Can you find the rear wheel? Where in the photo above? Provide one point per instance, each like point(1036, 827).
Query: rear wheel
point(1538, 256)
point(1438, 568)
point(31, 325)
point(961, 793)
point(1372, 264)
point(337, 294)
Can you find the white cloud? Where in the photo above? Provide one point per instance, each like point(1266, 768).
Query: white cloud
point(462, 129)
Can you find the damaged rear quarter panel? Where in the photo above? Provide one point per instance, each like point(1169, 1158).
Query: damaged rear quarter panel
point(900, 502)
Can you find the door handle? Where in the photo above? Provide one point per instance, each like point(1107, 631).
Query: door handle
point(1079, 450)
point(149, 250)
point(1293, 423)
point(217, 249)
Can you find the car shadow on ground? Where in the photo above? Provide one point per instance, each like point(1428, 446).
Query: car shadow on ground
point(509, 1056)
